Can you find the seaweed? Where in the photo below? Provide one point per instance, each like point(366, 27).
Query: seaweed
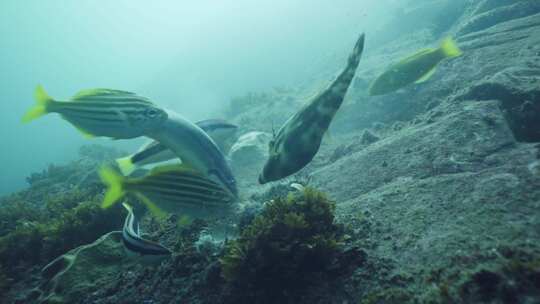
point(290, 246)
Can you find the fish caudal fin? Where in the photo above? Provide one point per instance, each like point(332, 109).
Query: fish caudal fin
point(40, 108)
point(449, 48)
point(126, 165)
point(114, 183)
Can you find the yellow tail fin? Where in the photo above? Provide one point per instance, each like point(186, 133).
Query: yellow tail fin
point(114, 182)
point(40, 108)
point(449, 48)
point(126, 165)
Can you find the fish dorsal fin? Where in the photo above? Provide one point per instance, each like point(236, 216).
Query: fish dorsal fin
point(416, 55)
point(426, 76)
point(99, 92)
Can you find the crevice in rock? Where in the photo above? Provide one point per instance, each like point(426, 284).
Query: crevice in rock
point(521, 109)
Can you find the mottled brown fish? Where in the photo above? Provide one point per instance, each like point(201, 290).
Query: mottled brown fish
point(299, 139)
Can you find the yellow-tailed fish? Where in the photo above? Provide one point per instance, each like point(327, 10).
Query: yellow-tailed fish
point(416, 68)
point(102, 112)
point(166, 189)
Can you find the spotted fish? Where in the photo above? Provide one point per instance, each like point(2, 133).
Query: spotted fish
point(299, 139)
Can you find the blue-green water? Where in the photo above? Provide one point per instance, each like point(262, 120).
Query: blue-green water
point(185, 55)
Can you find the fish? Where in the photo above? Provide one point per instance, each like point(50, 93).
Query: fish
point(166, 189)
point(416, 68)
point(135, 245)
point(153, 152)
point(194, 147)
point(299, 138)
point(101, 112)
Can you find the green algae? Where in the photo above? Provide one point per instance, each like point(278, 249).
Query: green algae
point(292, 244)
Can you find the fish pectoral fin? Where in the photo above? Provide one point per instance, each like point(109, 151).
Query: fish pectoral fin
point(85, 133)
point(153, 208)
point(184, 221)
point(126, 165)
point(426, 76)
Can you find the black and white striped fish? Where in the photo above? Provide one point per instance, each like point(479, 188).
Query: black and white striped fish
point(102, 112)
point(135, 244)
point(221, 132)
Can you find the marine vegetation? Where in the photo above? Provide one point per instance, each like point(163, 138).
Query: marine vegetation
point(285, 249)
point(60, 211)
point(61, 227)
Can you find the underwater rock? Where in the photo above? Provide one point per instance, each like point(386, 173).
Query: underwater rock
point(499, 14)
point(248, 155)
point(368, 138)
point(83, 270)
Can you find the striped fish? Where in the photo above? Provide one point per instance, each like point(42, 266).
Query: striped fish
point(102, 112)
point(219, 130)
point(299, 139)
point(166, 189)
point(137, 246)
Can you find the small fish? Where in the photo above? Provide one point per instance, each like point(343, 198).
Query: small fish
point(166, 189)
point(153, 152)
point(102, 112)
point(416, 68)
point(299, 139)
point(137, 246)
point(195, 148)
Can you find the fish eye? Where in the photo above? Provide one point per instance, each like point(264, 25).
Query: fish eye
point(152, 112)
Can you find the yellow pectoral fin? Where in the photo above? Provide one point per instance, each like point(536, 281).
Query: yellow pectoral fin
point(426, 76)
point(184, 221)
point(85, 133)
point(126, 165)
point(153, 208)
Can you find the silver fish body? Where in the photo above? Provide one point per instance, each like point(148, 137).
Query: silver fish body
point(221, 132)
point(196, 149)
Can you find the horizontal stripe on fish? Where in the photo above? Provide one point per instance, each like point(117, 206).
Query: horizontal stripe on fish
point(187, 192)
point(187, 179)
point(96, 118)
point(185, 200)
point(102, 105)
point(183, 185)
point(113, 100)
